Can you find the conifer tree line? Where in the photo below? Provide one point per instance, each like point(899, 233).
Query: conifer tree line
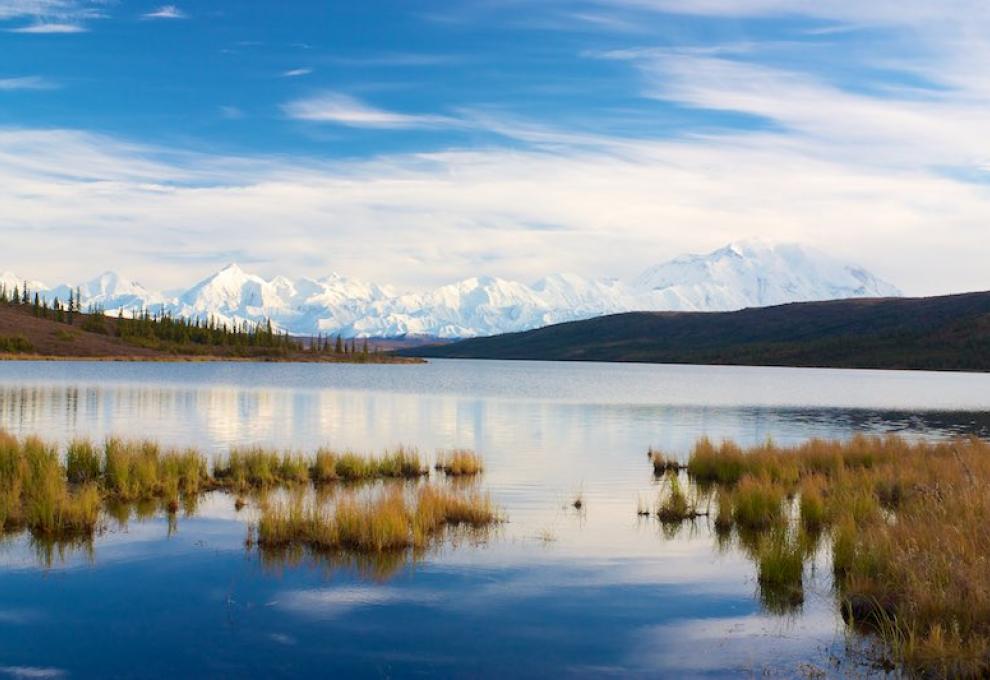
point(146, 328)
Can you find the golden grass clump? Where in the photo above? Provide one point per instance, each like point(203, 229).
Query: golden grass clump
point(141, 471)
point(254, 467)
point(402, 463)
point(52, 498)
point(35, 493)
point(780, 569)
point(909, 527)
point(722, 464)
point(723, 511)
point(812, 503)
point(459, 462)
point(389, 520)
point(82, 462)
point(758, 503)
point(675, 506)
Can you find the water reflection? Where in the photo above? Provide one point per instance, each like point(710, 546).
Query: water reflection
point(612, 592)
point(218, 417)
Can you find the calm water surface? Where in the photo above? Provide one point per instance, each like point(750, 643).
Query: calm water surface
point(555, 590)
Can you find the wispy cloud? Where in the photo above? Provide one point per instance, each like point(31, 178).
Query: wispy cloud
point(231, 112)
point(296, 72)
point(419, 219)
point(31, 672)
point(26, 83)
point(49, 27)
point(166, 12)
point(343, 109)
point(51, 16)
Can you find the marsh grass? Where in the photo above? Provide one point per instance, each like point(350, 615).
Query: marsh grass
point(722, 464)
point(459, 462)
point(908, 525)
point(780, 569)
point(675, 506)
point(391, 520)
point(661, 463)
point(35, 493)
point(812, 504)
point(82, 462)
point(258, 468)
point(62, 500)
point(757, 503)
point(723, 511)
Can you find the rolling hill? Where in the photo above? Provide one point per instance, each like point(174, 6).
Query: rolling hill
point(940, 333)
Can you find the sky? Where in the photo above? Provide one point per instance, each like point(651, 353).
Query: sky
point(421, 142)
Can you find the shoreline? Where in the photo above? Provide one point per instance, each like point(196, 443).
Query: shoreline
point(187, 358)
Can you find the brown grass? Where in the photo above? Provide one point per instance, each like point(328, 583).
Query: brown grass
point(459, 463)
point(259, 468)
point(390, 520)
point(55, 499)
point(909, 531)
point(675, 506)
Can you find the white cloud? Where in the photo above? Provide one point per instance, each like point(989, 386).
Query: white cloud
point(26, 83)
point(895, 178)
point(166, 12)
point(31, 672)
point(296, 72)
point(342, 109)
point(49, 27)
point(421, 219)
point(51, 16)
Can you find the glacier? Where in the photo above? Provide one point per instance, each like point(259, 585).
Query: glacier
point(738, 275)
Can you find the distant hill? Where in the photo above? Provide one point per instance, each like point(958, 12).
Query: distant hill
point(25, 333)
point(939, 333)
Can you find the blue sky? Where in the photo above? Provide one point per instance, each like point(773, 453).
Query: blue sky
point(419, 142)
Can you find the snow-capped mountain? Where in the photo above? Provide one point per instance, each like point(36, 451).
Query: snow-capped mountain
point(742, 274)
point(754, 274)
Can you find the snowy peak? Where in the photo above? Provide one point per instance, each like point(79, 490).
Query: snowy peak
point(229, 289)
point(755, 274)
point(740, 274)
point(9, 281)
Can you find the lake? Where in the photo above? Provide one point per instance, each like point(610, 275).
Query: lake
point(556, 590)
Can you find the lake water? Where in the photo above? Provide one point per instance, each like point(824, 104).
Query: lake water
point(596, 591)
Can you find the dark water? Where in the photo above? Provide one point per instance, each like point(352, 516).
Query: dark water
point(554, 591)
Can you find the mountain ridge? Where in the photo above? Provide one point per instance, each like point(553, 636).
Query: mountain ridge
point(950, 332)
point(741, 274)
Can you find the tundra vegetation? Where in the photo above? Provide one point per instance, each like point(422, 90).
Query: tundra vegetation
point(68, 495)
point(907, 524)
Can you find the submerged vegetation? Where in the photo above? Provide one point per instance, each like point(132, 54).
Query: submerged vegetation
point(908, 525)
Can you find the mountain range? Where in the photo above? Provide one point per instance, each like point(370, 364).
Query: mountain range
point(739, 275)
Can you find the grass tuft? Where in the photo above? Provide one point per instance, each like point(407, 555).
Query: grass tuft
point(675, 507)
point(459, 462)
